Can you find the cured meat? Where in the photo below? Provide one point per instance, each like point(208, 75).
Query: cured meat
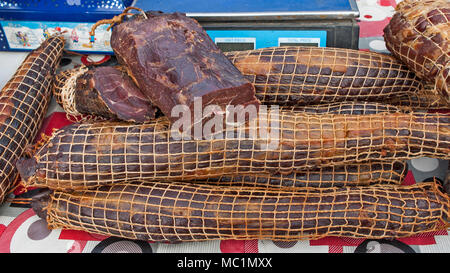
point(179, 212)
point(91, 154)
point(418, 34)
point(102, 91)
point(358, 174)
point(173, 61)
point(346, 108)
point(66, 82)
point(293, 75)
point(425, 99)
point(23, 104)
point(65, 92)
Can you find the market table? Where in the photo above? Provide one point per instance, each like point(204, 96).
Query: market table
point(22, 231)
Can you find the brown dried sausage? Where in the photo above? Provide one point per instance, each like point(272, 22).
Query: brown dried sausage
point(176, 211)
point(23, 104)
point(92, 154)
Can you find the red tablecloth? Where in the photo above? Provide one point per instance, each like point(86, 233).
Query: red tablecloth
point(22, 231)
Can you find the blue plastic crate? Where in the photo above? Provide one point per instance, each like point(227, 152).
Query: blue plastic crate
point(25, 24)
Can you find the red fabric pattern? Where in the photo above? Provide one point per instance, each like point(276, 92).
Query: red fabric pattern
point(2, 228)
point(372, 29)
point(56, 120)
point(426, 238)
point(387, 3)
point(409, 179)
point(68, 234)
point(251, 246)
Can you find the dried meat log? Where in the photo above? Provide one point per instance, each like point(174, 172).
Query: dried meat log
point(358, 174)
point(176, 211)
point(425, 99)
point(172, 60)
point(67, 96)
point(23, 104)
point(65, 92)
point(418, 34)
point(310, 75)
point(102, 91)
point(90, 154)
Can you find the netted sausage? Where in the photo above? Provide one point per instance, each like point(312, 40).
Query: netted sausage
point(91, 154)
point(176, 211)
point(310, 75)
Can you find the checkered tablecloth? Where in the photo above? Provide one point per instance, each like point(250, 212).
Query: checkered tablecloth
point(22, 231)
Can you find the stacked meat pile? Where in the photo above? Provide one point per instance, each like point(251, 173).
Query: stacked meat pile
point(334, 128)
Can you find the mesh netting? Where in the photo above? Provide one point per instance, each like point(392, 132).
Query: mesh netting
point(425, 99)
point(178, 211)
point(306, 75)
point(346, 108)
point(92, 154)
point(65, 82)
point(418, 35)
point(357, 174)
point(23, 103)
point(63, 89)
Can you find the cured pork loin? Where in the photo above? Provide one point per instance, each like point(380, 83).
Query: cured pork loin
point(24, 101)
point(425, 99)
point(180, 212)
point(104, 92)
point(293, 75)
point(173, 61)
point(418, 34)
point(86, 155)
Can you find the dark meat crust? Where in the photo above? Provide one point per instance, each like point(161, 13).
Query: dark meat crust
point(88, 99)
